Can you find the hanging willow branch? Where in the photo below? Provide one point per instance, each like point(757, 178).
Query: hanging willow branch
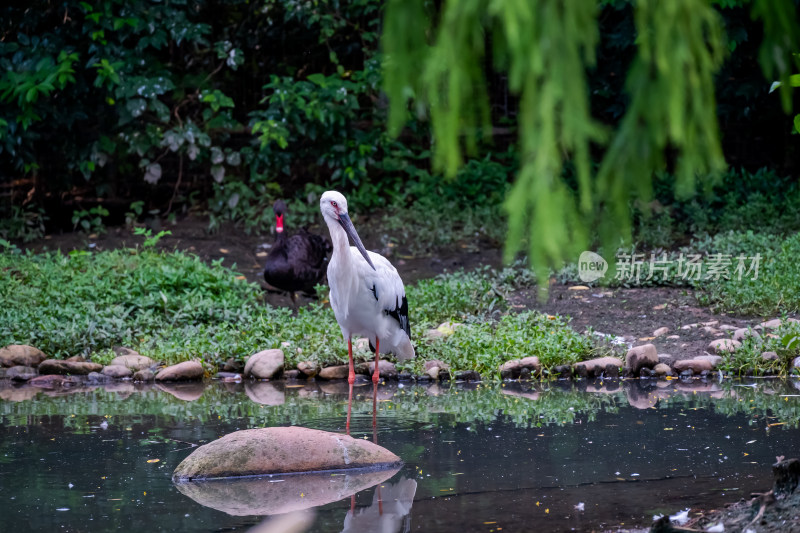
point(435, 59)
point(672, 106)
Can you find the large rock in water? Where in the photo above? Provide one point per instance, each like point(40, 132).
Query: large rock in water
point(117, 371)
point(334, 372)
point(59, 367)
point(278, 494)
point(281, 450)
point(21, 373)
point(594, 367)
point(696, 365)
point(186, 371)
point(644, 356)
point(21, 355)
point(512, 369)
point(132, 360)
point(267, 364)
point(386, 369)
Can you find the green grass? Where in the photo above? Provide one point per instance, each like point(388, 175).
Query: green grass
point(784, 341)
point(772, 293)
point(172, 307)
point(775, 291)
point(84, 302)
point(484, 346)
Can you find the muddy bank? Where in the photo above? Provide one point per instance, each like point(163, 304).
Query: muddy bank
point(774, 511)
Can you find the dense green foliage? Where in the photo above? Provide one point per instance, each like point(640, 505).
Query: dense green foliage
point(156, 108)
point(761, 201)
point(546, 48)
point(230, 100)
point(174, 307)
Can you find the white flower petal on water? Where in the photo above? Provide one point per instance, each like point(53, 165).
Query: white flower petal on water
point(681, 517)
point(719, 528)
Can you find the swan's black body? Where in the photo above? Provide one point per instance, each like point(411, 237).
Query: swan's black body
point(296, 263)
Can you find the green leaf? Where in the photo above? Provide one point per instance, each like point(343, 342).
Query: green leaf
point(160, 109)
point(317, 78)
point(136, 106)
point(791, 341)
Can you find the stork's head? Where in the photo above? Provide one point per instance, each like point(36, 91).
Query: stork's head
point(279, 208)
point(334, 210)
point(332, 204)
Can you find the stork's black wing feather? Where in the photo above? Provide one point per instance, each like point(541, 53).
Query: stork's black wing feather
point(400, 313)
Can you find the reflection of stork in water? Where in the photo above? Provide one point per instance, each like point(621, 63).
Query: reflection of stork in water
point(390, 511)
point(391, 504)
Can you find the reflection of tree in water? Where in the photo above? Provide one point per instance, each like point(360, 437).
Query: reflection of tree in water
point(389, 512)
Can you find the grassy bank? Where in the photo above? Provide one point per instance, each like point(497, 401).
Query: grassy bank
point(172, 307)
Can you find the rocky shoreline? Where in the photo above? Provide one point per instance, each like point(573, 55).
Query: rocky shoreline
point(22, 363)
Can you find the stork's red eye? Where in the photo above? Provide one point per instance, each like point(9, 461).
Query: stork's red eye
point(334, 204)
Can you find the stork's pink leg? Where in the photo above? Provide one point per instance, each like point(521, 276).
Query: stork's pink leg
point(375, 434)
point(349, 408)
point(376, 375)
point(375, 412)
point(351, 377)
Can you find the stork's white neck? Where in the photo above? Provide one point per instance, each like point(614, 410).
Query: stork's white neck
point(341, 243)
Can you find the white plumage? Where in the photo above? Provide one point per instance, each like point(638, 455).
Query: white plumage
point(367, 294)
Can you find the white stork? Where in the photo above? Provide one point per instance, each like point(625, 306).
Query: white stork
point(367, 294)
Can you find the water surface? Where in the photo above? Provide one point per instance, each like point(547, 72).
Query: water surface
point(476, 457)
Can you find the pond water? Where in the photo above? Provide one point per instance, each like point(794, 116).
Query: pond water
point(477, 457)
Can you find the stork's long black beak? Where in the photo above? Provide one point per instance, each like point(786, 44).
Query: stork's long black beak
point(347, 224)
